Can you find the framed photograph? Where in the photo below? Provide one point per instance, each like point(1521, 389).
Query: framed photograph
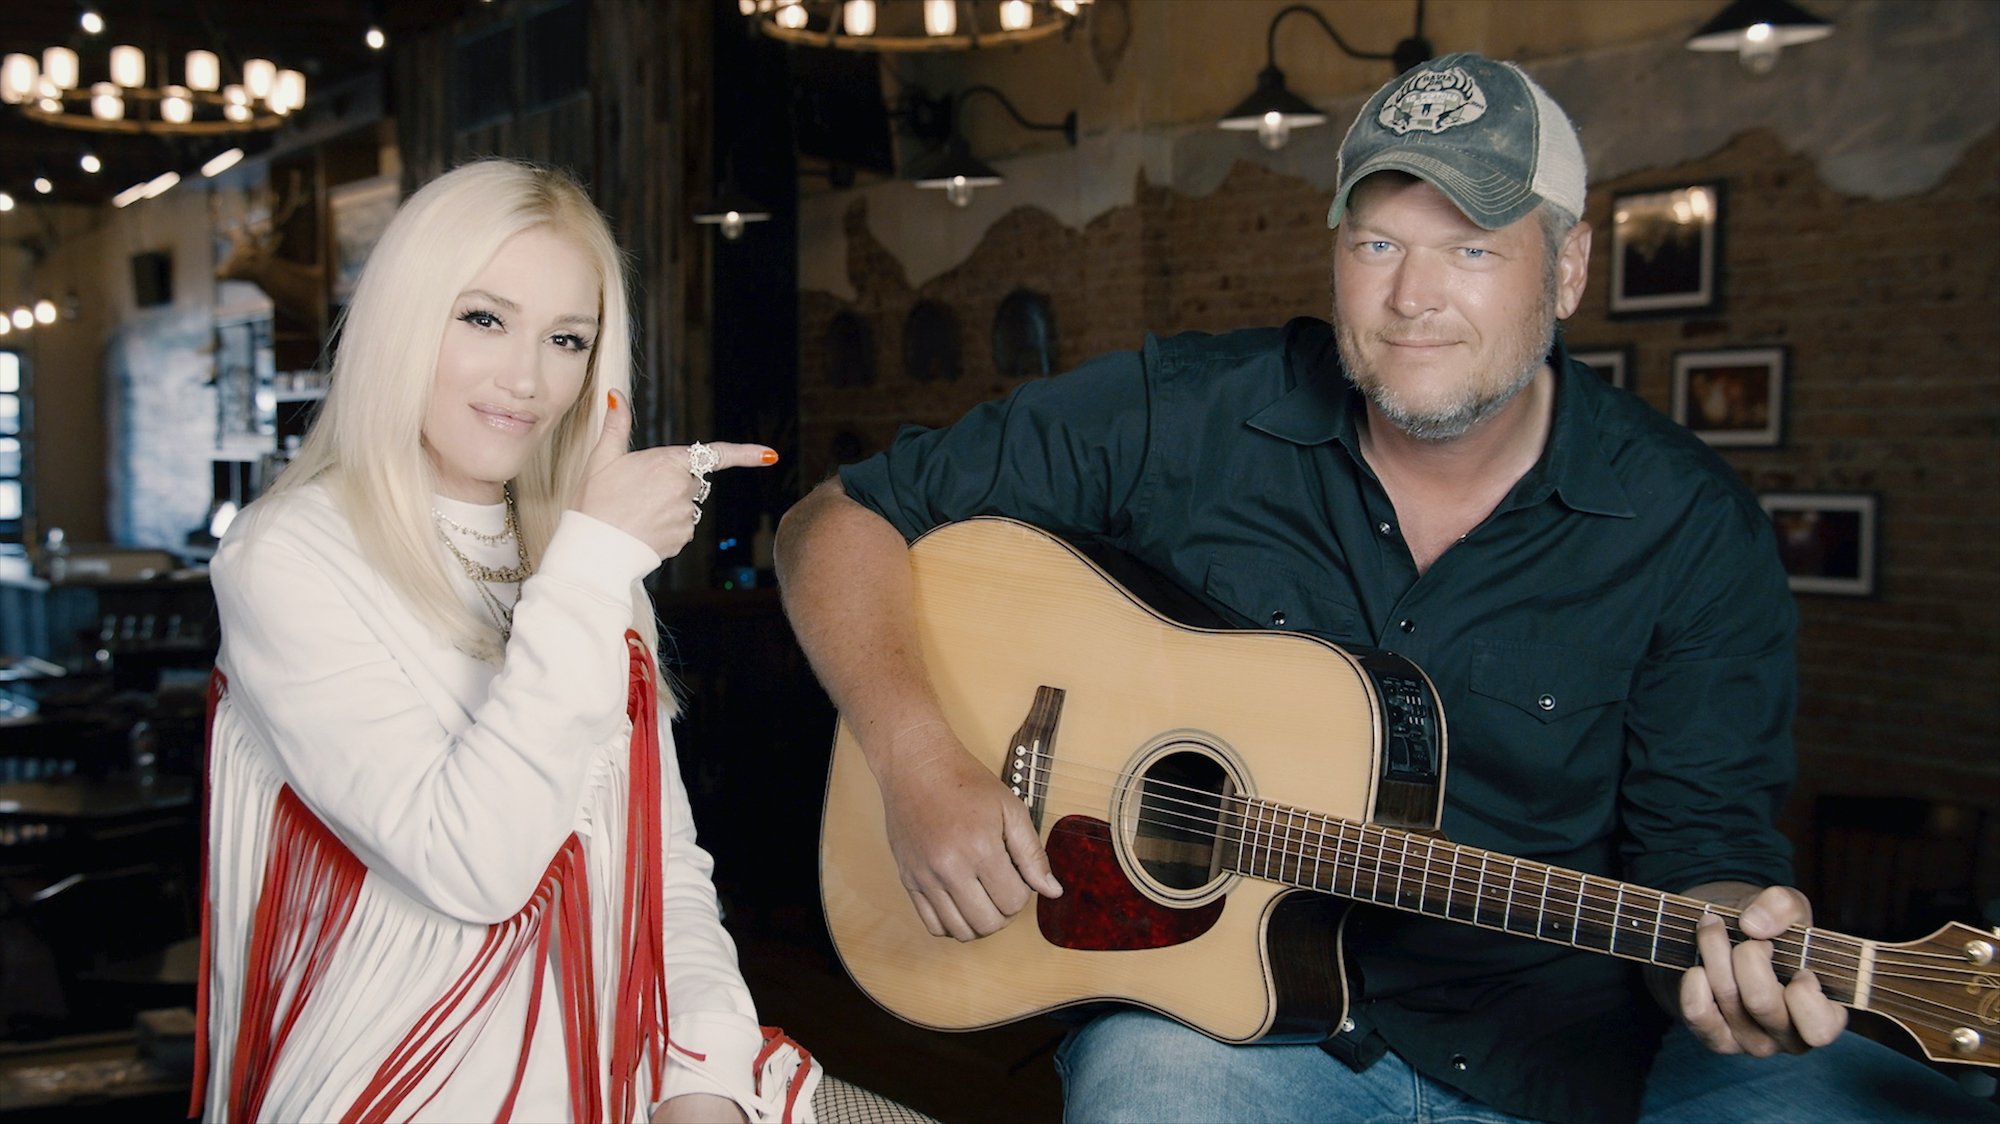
point(1731, 397)
point(1826, 540)
point(357, 213)
point(1666, 250)
point(1614, 363)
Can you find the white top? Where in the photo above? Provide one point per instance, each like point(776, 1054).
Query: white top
point(455, 782)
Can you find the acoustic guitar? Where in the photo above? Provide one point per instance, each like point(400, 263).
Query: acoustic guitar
point(1212, 800)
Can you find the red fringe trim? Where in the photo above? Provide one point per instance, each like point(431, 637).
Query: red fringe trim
point(310, 886)
point(312, 881)
point(564, 888)
point(776, 1039)
point(639, 1020)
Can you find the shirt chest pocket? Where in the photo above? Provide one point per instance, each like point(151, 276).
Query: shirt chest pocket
point(1268, 596)
point(1548, 682)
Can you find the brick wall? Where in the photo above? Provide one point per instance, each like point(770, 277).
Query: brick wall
point(1891, 312)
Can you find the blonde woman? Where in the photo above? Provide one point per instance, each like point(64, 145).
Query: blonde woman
point(451, 873)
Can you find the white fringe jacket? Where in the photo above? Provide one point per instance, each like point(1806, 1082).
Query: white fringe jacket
point(439, 889)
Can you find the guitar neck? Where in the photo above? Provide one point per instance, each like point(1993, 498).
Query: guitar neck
point(1423, 874)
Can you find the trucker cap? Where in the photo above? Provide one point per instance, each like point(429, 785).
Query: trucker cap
point(1480, 131)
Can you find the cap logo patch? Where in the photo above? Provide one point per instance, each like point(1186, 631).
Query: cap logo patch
point(1432, 101)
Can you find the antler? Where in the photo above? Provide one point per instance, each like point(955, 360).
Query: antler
point(297, 288)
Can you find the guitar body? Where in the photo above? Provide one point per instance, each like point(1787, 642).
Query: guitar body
point(1210, 798)
point(1126, 733)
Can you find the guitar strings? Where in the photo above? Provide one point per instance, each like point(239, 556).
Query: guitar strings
point(1837, 955)
point(1882, 999)
point(1261, 839)
point(1211, 805)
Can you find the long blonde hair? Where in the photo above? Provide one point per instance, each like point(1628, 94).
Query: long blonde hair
point(368, 438)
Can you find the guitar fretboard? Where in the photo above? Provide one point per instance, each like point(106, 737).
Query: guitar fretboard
point(1423, 874)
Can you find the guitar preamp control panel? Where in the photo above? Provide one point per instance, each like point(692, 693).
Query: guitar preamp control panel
point(1412, 719)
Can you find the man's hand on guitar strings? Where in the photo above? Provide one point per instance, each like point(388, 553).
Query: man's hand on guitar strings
point(965, 846)
point(1732, 1001)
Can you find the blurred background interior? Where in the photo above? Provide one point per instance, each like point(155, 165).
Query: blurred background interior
point(849, 216)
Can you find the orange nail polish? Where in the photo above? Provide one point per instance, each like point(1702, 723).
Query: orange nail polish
point(770, 456)
point(611, 399)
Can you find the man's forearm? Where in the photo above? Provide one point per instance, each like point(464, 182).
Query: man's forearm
point(844, 574)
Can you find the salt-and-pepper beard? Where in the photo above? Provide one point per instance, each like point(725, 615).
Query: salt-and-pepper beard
point(1478, 404)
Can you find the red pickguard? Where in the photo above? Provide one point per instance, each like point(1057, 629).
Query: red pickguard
point(1100, 910)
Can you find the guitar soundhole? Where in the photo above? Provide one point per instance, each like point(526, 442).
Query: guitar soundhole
point(1173, 836)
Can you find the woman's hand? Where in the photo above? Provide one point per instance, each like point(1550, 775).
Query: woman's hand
point(699, 1108)
point(650, 494)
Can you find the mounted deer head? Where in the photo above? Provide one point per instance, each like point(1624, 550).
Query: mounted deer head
point(254, 233)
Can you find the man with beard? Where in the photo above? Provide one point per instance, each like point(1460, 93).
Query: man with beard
point(1595, 595)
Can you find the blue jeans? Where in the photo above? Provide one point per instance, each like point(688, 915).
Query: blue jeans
point(1138, 1066)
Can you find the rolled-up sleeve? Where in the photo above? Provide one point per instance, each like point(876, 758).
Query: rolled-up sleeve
point(1709, 750)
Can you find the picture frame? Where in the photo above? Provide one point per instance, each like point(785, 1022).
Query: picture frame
point(1732, 396)
point(1828, 540)
point(1666, 250)
point(1614, 362)
point(357, 213)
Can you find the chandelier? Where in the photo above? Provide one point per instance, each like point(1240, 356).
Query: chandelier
point(912, 25)
point(118, 99)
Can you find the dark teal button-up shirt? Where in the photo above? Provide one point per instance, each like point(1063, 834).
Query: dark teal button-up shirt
point(1613, 647)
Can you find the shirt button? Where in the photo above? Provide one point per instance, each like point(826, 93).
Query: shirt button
point(1385, 529)
point(1407, 625)
point(1277, 618)
point(1459, 1063)
point(1347, 1025)
point(1546, 702)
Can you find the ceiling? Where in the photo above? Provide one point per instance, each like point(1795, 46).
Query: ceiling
point(322, 38)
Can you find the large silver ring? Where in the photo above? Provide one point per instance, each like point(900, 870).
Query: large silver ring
point(702, 460)
point(697, 514)
point(701, 490)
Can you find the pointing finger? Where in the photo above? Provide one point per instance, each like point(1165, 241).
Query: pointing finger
point(734, 454)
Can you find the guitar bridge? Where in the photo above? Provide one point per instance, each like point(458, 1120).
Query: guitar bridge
point(1033, 751)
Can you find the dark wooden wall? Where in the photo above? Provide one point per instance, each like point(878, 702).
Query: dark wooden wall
point(637, 137)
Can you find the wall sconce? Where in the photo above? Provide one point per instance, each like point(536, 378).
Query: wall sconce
point(1757, 30)
point(1274, 111)
point(957, 171)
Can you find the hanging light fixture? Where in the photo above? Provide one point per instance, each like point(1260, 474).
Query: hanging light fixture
point(956, 171)
point(1756, 30)
point(731, 212)
point(1274, 111)
point(51, 89)
point(912, 25)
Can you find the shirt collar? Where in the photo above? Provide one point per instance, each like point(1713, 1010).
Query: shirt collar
point(1319, 407)
point(1574, 466)
point(1316, 408)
